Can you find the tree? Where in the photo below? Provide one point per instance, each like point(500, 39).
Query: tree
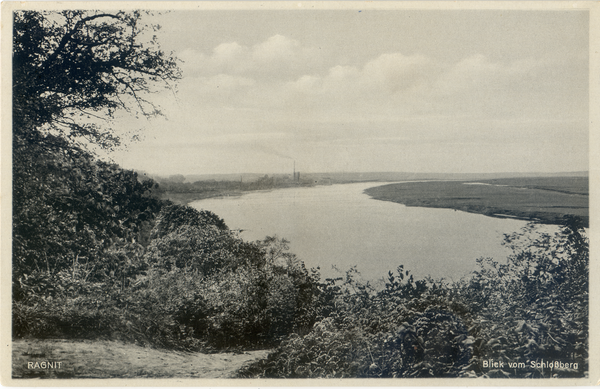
point(71, 71)
point(74, 65)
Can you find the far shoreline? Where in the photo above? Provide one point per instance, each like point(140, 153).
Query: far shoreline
point(538, 200)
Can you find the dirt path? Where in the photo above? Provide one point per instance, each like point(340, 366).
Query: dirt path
point(112, 359)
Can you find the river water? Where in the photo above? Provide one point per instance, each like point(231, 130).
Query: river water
point(338, 226)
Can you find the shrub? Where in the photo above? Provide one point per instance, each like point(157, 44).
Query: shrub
point(410, 329)
point(535, 306)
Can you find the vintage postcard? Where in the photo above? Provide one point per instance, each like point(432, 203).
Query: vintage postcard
point(299, 193)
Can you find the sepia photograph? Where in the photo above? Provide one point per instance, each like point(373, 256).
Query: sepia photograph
point(240, 193)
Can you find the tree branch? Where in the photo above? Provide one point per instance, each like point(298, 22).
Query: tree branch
point(69, 36)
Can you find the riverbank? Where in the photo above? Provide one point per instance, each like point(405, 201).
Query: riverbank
point(59, 358)
point(184, 198)
point(545, 201)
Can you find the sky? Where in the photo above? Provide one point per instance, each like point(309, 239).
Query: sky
point(469, 91)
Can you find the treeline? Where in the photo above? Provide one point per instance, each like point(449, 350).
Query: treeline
point(174, 188)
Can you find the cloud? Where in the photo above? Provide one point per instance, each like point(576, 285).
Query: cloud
point(227, 53)
point(478, 87)
point(397, 72)
point(277, 48)
point(271, 87)
point(281, 74)
point(387, 74)
point(478, 72)
point(278, 57)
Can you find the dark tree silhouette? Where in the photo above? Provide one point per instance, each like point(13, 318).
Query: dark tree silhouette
point(71, 68)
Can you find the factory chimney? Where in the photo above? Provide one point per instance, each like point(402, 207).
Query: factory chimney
point(296, 176)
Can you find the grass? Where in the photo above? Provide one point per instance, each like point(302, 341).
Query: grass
point(545, 200)
point(113, 359)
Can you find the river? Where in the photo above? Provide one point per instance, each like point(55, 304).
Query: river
point(338, 226)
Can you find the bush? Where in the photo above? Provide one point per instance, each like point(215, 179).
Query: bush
point(535, 307)
point(377, 334)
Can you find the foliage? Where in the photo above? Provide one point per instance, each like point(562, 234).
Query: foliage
point(536, 306)
point(72, 67)
point(95, 312)
point(174, 216)
point(79, 225)
point(409, 329)
point(197, 287)
point(193, 240)
point(71, 211)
